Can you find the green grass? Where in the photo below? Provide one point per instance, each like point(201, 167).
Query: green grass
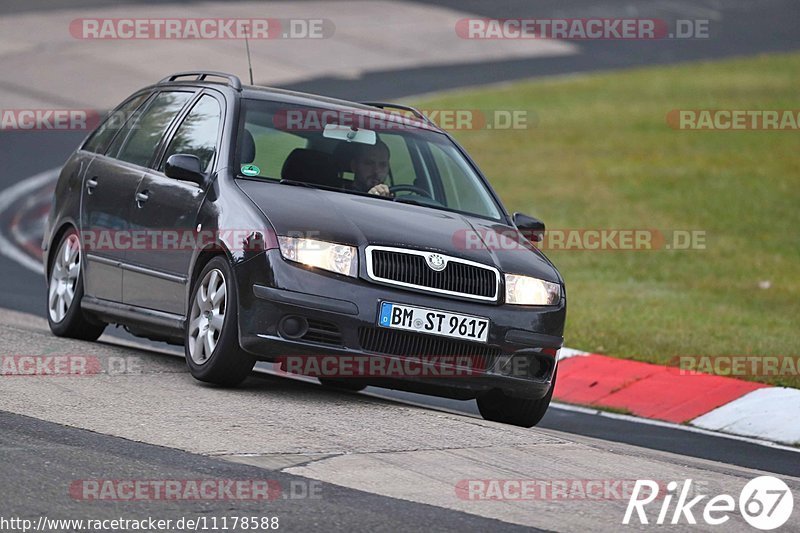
point(601, 155)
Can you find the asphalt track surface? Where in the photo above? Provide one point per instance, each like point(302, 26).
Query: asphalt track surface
point(36, 452)
point(736, 28)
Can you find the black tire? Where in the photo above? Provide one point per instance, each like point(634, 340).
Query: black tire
point(342, 384)
point(228, 365)
point(74, 324)
point(523, 412)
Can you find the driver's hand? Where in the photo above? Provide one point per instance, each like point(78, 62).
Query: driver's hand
point(381, 190)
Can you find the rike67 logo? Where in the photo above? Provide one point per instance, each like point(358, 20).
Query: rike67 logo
point(765, 502)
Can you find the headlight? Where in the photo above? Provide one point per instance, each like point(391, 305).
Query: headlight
point(338, 258)
point(524, 290)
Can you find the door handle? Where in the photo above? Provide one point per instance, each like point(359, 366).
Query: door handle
point(142, 197)
point(91, 183)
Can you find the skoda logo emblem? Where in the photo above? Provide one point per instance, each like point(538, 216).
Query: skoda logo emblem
point(436, 262)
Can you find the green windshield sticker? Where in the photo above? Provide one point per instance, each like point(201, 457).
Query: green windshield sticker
point(250, 170)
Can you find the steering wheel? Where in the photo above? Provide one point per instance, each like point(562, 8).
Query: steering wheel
point(410, 188)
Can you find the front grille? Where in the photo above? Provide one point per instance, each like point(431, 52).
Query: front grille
point(323, 333)
point(410, 268)
point(418, 346)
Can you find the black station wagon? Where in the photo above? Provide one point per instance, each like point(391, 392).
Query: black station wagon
point(247, 223)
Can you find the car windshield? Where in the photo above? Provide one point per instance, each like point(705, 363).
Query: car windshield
point(354, 151)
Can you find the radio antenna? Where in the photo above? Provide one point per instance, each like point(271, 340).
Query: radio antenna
point(249, 63)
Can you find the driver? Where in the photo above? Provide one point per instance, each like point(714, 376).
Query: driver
point(370, 166)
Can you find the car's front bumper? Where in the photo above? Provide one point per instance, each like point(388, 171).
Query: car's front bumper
point(271, 289)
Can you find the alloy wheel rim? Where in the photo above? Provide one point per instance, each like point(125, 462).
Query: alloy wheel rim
point(207, 316)
point(64, 278)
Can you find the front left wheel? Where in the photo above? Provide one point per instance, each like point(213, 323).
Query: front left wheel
point(65, 291)
point(211, 342)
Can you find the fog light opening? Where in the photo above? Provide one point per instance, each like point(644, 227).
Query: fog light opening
point(527, 364)
point(293, 327)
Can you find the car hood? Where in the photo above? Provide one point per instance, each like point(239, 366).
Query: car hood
point(362, 220)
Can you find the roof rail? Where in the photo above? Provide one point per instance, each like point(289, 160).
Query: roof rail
point(201, 75)
point(417, 113)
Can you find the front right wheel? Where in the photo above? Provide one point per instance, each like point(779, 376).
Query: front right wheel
point(498, 407)
point(211, 343)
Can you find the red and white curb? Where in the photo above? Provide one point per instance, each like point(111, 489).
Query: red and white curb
point(770, 413)
point(716, 403)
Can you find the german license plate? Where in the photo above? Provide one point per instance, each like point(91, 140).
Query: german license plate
point(433, 322)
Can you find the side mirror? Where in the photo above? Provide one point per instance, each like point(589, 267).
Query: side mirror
point(185, 167)
point(532, 228)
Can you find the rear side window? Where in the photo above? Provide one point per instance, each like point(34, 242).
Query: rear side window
point(138, 140)
point(198, 133)
point(112, 124)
